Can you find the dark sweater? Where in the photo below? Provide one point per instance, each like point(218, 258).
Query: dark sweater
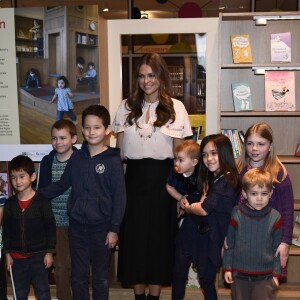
point(253, 238)
point(98, 192)
point(30, 231)
point(45, 176)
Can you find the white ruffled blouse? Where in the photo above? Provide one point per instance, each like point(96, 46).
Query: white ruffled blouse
point(147, 141)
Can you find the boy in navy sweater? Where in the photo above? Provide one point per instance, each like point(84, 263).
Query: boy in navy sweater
point(96, 204)
point(28, 232)
point(254, 234)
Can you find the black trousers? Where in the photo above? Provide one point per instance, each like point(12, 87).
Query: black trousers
point(3, 288)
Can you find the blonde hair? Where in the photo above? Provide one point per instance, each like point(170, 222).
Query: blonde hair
point(258, 177)
point(190, 147)
point(272, 163)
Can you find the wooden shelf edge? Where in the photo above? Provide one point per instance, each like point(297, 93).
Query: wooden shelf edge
point(260, 113)
point(289, 159)
point(256, 65)
point(296, 204)
point(294, 250)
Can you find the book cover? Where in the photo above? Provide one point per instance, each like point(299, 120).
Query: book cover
point(297, 151)
point(241, 94)
point(281, 47)
point(280, 91)
point(241, 48)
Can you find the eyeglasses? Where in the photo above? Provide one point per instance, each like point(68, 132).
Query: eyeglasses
point(149, 76)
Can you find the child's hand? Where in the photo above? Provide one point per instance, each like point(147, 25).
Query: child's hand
point(48, 260)
point(9, 261)
point(228, 277)
point(276, 280)
point(182, 202)
point(180, 211)
point(111, 240)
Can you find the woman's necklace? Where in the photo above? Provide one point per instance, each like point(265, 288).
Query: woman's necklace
point(146, 129)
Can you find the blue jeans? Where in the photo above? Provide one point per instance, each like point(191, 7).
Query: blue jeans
point(88, 250)
point(31, 270)
point(69, 113)
point(180, 274)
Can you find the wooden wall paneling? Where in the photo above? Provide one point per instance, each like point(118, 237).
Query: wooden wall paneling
point(5, 4)
point(39, 64)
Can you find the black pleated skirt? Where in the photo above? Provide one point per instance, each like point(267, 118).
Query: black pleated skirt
point(147, 237)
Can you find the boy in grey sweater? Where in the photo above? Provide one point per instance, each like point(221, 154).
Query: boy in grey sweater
point(253, 236)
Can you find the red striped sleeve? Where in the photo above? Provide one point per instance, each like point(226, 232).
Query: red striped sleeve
point(233, 223)
point(278, 224)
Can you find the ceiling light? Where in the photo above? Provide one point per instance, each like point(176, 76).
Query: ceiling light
point(144, 15)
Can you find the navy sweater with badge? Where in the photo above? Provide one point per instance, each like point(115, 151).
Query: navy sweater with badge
point(98, 192)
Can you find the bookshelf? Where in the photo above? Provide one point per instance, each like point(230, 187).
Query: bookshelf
point(29, 37)
point(84, 39)
point(285, 125)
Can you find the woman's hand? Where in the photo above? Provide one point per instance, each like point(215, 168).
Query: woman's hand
point(283, 252)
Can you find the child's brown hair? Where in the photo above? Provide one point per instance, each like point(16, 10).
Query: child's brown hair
point(190, 147)
point(257, 177)
point(65, 124)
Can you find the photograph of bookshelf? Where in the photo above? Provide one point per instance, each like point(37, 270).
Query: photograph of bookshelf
point(29, 37)
point(84, 39)
point(285, 124)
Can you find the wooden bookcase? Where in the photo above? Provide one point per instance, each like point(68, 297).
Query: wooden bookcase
point(285, 125)
point(29, 39)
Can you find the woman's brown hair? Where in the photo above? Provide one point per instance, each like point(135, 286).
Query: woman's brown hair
point(165, 110)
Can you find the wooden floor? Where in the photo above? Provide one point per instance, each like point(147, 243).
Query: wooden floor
point(116, 292)
point(35, 127)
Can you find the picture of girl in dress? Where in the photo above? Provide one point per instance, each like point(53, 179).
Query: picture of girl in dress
point(64, 95)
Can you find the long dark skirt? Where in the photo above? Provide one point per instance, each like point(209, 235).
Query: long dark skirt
point(147, 238)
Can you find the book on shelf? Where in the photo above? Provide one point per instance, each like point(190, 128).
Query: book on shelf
point(241, 94)
point(281, 47)
point(78, 38)
point(198, 134)
point(83, 39)
point(236, 139)
point(296, 231)
point(241, 48)
point(280, 91)
point(297, 151)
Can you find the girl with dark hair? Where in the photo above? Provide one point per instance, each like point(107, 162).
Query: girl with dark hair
point(200, 239)
point(149, 125)
point(64, 103)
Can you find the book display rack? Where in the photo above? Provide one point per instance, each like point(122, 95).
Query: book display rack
point(285, 124)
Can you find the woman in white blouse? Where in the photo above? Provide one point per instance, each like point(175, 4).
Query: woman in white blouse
point(149, 125)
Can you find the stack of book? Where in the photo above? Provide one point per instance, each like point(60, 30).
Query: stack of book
point(237, 140)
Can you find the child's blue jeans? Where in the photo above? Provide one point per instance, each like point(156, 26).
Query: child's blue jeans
point(31, 270)
point(89, 252)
